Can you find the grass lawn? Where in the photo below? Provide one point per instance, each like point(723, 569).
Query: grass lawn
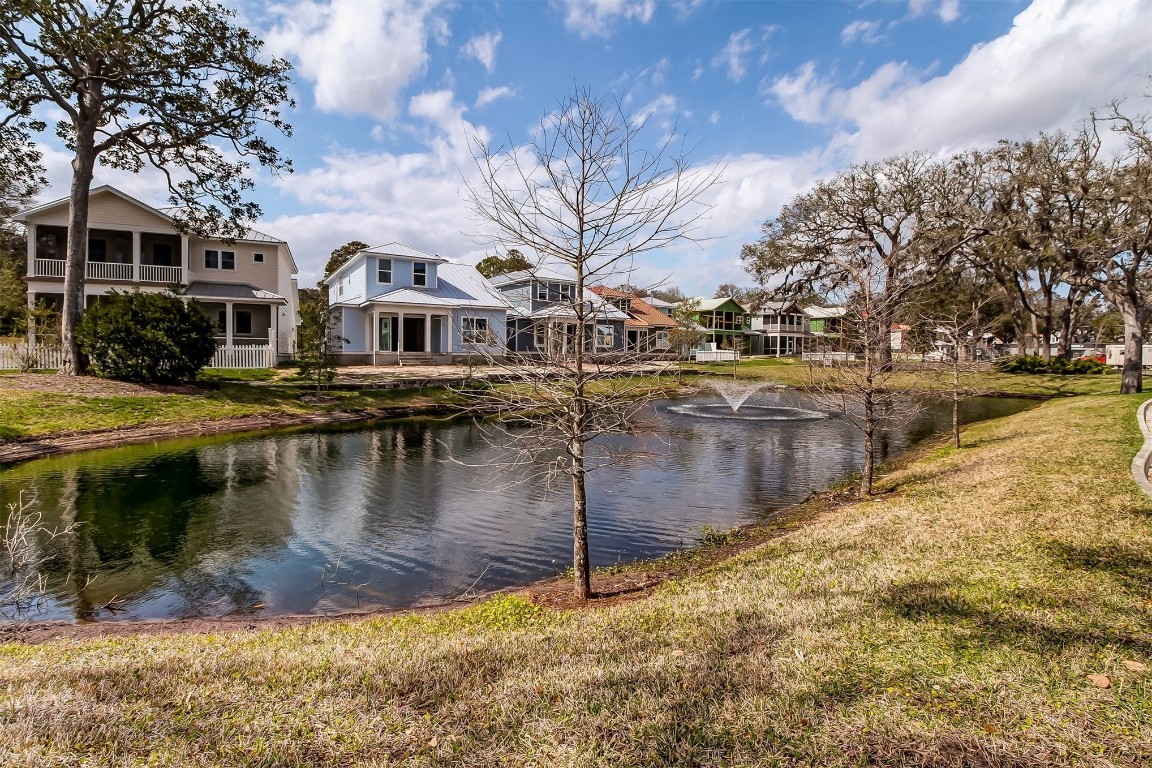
point(953, 621)
point(795, 373)
point(30, 413)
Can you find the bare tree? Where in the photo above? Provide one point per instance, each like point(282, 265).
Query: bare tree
point(586, 194)
point(25, 548)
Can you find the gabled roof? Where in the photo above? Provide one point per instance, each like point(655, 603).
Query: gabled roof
point(403, 251)
point(710, 304)
point(539, 273)
point(388, 250)
point(824, 313)
point(457, 285)
point(642, 314)
point(775, 306)
point(23, 215)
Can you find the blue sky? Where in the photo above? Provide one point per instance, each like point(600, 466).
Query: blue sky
point(780, 93)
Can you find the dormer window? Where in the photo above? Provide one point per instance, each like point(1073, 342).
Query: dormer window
point(420, 275)
point(384, 271)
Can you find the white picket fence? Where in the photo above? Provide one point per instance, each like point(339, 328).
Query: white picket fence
point(23, 356)
point(14, 357)
point(714, 355)
point(246, 356)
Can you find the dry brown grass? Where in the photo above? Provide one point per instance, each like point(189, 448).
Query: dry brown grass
point(952, 622)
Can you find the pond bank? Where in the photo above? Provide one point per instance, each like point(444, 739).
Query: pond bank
point(989, 609)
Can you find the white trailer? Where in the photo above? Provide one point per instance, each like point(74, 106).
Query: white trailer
point(1115, 355)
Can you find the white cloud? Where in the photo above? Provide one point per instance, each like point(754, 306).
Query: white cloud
point(862, 30)
point(359, 54)
point(483, 49)
point(802, 95)
point(1059, 59)
point(947, 10)
point(733, 56)
point(489, 95)
point(596, 18)
point(714, 118)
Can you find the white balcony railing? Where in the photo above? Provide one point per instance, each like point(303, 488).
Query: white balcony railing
point(156, 274)
point(107, 270)
point(48, 268)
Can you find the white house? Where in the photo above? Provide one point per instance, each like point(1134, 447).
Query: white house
point(248, 287)
point(398, 304)
point(779, 328)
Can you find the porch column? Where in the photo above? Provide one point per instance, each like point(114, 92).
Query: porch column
point(31, 250)
point(374, 334)
point(400, 340)
point(185, 278)
point(228, 323)
point(274, 331)
point(427, 333)
point(135, 255)
point(31, 326)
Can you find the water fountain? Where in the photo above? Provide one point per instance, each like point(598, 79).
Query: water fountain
point(736, 394)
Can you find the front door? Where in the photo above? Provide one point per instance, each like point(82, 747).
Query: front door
point(414, 334)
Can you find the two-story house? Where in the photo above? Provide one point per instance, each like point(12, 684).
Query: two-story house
point(543, 318)
point(247, 287)
point(779, 328)
point(647, 330)
point(396, 304)
point(724, 322)
point(826, 328)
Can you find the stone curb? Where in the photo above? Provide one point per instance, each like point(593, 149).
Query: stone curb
point(1142, 458)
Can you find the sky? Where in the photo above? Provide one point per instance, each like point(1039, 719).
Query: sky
point(391, 95)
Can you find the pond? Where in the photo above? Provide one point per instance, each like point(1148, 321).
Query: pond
point(401, 513)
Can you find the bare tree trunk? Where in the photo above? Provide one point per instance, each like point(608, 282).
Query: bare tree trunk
point(869, 449)
point(581, 571)
point(956, 404)
point(74, 270)
point(1131, 378)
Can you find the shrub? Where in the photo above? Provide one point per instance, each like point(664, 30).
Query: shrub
point(146, 337)
point(1057, 365)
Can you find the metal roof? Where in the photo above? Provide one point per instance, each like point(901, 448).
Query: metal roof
point(539, 273)
point(404, 251)
point(457, 285)
point(200, 289)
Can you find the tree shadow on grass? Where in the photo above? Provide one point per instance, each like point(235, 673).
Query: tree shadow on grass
point(1016, 624)
point(1130, 566)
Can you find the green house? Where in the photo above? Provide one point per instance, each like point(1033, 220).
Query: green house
point(725, 321)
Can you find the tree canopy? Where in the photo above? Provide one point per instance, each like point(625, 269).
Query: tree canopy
point(514, 261)
point(341, 255)
point(177, 86)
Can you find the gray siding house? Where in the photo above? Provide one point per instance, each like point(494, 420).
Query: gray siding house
point(543, 319)
point(396, 304)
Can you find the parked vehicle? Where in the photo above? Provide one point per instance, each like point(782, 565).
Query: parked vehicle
point(1115, 355)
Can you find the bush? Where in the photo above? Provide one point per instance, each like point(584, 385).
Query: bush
point(1057, 365)
point(146, 337)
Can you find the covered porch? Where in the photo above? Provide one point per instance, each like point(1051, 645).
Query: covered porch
point(397, 333)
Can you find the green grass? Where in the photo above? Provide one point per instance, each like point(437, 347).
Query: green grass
point(796, 373)
point(25, 414)
point(952, 621)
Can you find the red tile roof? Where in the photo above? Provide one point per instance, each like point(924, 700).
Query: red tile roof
point(641, 314)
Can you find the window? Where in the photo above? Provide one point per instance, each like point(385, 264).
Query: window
point(605, 339)
point(420, 275)
point(539, 338)
point(566, 291)
point(221, 320)
point(541, 291)
point(243, 322)
point(384, 271)
point(258, 258)
point(219, 259)
point(662, 340)
point(475, 330)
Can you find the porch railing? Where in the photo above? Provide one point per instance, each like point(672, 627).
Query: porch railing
point(48, 268)
point(108, 270)
point(155, 274)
